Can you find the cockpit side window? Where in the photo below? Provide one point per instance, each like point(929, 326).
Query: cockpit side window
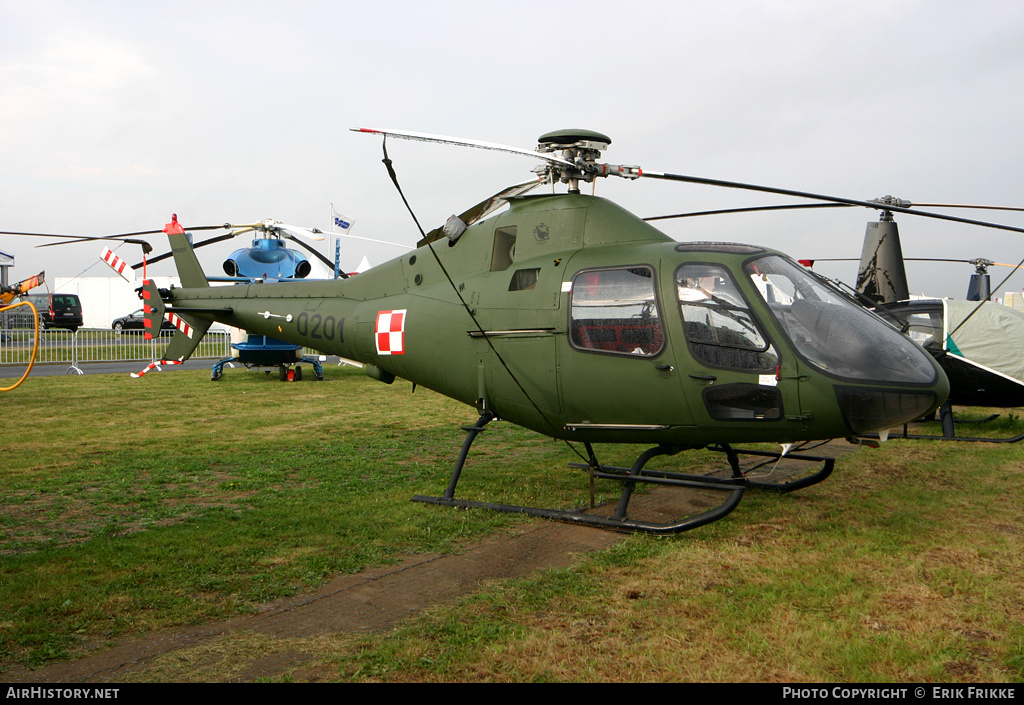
point(925, 328)
point(719, 327)
point(616, 311)
point(833, 333)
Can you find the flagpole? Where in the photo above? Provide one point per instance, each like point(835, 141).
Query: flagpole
point(337, 252)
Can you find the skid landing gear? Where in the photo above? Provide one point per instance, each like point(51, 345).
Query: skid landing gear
point(732, 487)
point(949, 431)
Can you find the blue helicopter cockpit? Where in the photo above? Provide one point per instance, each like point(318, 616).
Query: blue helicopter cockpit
point(268, 259)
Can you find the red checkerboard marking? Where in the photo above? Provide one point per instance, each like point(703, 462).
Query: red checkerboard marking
point(390, 332)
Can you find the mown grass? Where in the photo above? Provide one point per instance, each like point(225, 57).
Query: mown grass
point(135, 505)
point(131, 505)
point(906, 566)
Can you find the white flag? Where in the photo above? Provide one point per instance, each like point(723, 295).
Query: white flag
point(340, 223)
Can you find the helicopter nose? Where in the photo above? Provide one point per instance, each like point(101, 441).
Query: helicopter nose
point(866, 410)
point(880, 378)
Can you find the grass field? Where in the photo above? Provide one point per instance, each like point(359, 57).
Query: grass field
point(130, 506)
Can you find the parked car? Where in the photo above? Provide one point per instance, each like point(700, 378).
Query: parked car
point(134, 322)
point(55, 311)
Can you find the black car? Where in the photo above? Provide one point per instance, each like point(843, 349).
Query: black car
point(134, 322)
point(54, 311)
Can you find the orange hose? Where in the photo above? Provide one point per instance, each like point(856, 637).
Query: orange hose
point(35, 341)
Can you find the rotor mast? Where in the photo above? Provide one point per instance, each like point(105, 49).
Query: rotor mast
point(882, 276)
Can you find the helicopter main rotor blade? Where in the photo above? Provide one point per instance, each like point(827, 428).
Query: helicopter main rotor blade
point(123, 237)
point(311, 233)
point(73, 239)
point(968, 205)
point(875, 205)
point(796, 206)
point(975, 262)
point(370, 239)
point(484, 208)
point(799, 206)
point(461, 142)
point(146, 247)
point(209, 241)
point(310, 248)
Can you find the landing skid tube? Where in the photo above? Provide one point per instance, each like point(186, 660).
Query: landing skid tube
point(739, 477)
point(949, 432)
point(620, 521)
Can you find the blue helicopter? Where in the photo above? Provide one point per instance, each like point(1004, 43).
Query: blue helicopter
point(268, 260)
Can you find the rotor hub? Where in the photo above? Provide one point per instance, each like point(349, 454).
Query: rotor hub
point(981, 265)
point(890, 201)
point(573, 139)
point(582, 149)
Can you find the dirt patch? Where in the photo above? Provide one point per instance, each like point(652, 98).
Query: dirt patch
point(375, 599)
point(369, 601)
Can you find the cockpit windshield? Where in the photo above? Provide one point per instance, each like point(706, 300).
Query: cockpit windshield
point(833, 333)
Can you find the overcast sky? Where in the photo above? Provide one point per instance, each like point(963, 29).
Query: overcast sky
point(113, 115)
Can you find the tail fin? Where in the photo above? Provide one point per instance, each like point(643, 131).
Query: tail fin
point(153, 308)
point(189, 270)
point(187, 338)
point(190, 330)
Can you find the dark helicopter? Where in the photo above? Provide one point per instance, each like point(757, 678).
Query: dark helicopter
point(569, 316)
point(572, 317)
point(977, 342)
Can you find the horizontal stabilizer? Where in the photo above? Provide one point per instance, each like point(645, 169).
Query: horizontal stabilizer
point(189, 333)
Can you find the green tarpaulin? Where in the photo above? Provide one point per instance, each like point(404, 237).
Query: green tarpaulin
point(992, 337)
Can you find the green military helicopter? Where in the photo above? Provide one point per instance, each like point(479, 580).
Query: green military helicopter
point(572, 317)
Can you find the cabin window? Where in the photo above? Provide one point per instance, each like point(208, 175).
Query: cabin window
point(523, 279)
point(616, 311)
point(504, 251)
point(719, 327)
point(743, 402)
